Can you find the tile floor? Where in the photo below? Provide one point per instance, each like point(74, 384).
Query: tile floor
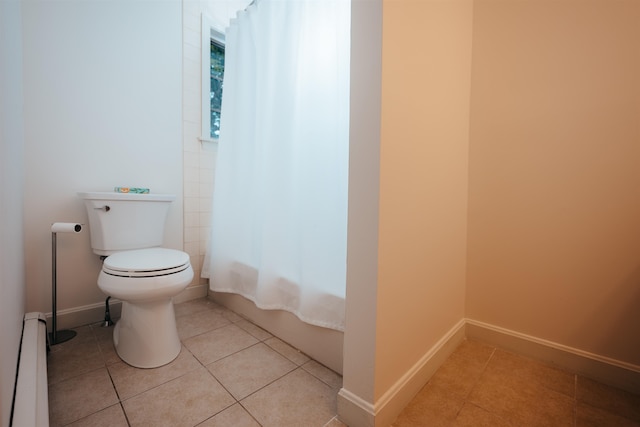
point(479, 385)
point(231, 373)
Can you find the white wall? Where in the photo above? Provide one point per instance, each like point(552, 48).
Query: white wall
point(362, 235)
point(12, 281)
point(103, 105)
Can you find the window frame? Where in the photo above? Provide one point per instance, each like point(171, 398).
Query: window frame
point(209, 32)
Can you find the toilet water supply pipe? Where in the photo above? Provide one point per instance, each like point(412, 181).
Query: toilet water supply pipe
point(107, 315)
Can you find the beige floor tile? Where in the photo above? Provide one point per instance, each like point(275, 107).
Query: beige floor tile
point(194, 306)
point(554, 409)
point(113, 416)
point(505, 389)
point(522, 403)
point(79, 355)
point(199, 323)
point(463, 368)
point(254, 330)
point(324, 374)
point(235, 416)
point(226, 313)
point(475, 350)
point(80, 396)
point(588, 416)
point(83, 335)
point(130, 381)
point(184, 401)
point(458, 374)
point(432, 406)
point(610, 399)
point(293, 354)
point(496, 396)
point(104, 337)
point(472, 416)
point(335, 422)
point(297, 399)
point(250, 369)
point(532, 371)
point(219, 343)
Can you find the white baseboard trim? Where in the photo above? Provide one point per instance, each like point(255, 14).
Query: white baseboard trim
point(93, 313)
point(192, 292)
point(355, 411)
point(84, 315)
point(609, 371)
point(396, 398)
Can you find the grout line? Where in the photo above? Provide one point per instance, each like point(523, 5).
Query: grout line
point(113, 384)
point(216, 379)
point(493, 352)
point(259, 341)
point(269, 383)
point(248, 412)
point(295, 365)
point(126, 417)
point(477, 381)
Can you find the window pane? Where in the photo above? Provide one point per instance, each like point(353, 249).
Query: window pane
point(217, 75)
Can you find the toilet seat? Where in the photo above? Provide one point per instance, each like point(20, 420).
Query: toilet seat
point(151, 262)
point(145, 274)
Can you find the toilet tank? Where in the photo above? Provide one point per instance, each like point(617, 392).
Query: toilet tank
point(125, 221)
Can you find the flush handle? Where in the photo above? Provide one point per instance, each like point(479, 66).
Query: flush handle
point(105, 208)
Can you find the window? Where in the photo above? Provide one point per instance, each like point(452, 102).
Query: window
point(215, 87)
point(212, 79)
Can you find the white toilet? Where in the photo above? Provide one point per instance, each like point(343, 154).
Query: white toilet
point(128, 230)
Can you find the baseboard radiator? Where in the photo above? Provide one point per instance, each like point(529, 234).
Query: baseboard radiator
point(31, 399)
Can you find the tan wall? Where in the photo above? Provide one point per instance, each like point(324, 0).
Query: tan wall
point(426, 66)
point(554, 203)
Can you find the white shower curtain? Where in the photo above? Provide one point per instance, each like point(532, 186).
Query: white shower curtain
point(279, 227)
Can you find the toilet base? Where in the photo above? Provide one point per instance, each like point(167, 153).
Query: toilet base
point(146, 336)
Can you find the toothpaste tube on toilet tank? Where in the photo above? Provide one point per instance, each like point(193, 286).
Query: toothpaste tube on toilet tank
point(134, 190)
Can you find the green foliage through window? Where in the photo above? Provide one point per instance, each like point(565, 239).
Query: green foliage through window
point(217, 76)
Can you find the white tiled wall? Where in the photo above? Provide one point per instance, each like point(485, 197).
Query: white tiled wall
point(199, 157)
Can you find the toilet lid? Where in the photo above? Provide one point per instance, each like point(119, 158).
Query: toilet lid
point(146, 262)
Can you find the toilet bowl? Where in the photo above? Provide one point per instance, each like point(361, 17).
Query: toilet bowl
point(146, 280)
point(127, 231)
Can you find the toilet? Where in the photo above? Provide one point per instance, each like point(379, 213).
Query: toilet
point(128, 231)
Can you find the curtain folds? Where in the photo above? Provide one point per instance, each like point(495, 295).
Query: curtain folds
point(279, 222)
